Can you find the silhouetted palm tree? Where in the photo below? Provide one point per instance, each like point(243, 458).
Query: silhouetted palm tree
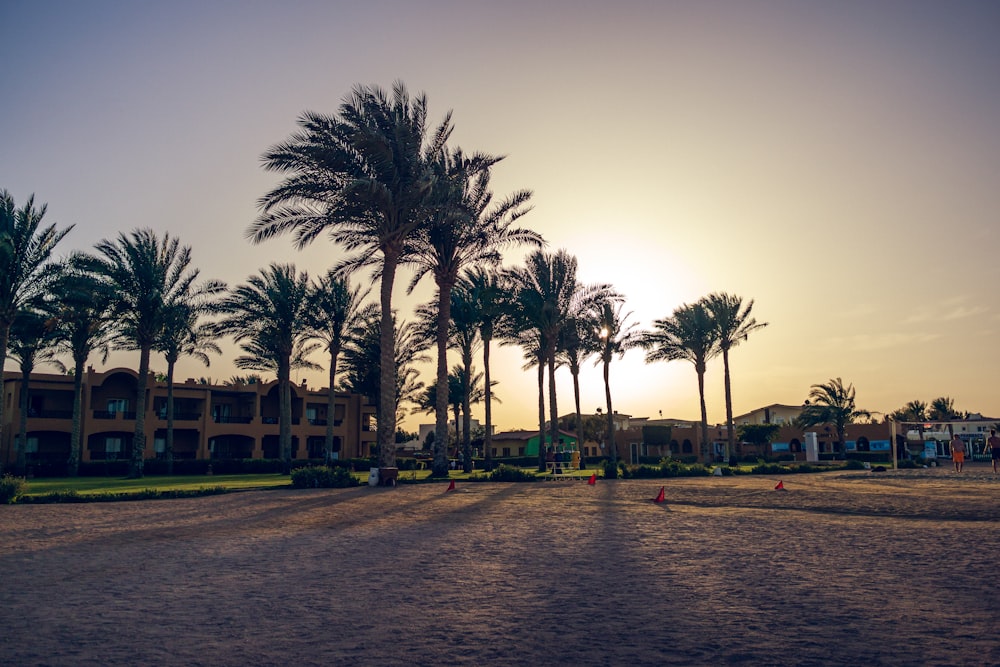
point(942, 408)
point(362, 176)
point(464, 229)
point(363, 355)
point(182, 335)
point(337, 310)
point(32, 342)
point(268, 315)
point(615, 336)
point(544, 288)
point(81, 306)
point(489, 292)
point(25, 269)
point(733, 324)
point(832, 403)
point(687, 334)
point(146, 275)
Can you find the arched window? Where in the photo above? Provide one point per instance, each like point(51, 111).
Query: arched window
point(687, 447)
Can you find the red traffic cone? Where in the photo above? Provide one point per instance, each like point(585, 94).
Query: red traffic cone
point(780, 486)
point(660, 496)
point(593, 479)
point(451, 487)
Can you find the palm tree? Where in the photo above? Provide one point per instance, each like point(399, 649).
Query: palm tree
point(25, 269)
point(832, 403)
point(942, 408)
point(82, 305)
point(733, 324)
point(545, 289)
point(489, 293)
point(182, 335)
point(337, 310)
point(269, 316)
point(363, 355)
point(364, 177)
point(615, 337)
point(687, 334)
point(147, 275)
point(577, 342)
point(32, 342)
point(464, 229)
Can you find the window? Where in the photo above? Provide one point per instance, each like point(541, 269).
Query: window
point(159, 445)
point(506, 452)
point(112, 447)
point(116, 405)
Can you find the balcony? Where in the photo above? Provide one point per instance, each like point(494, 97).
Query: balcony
point(225, 419)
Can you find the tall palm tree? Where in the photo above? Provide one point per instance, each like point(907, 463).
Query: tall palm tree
point(545, 289)
point(362, 176)
point(82, 311)
point(25, 269)
point(615, 336)
point(489, 292)
point(147, 274)
point(733, 324)
point(577, 342)
point(269, 315)
point(182, 335)
point(464, 229)
point(32, 342)
point(337, 310)
point(687, 334)
point(832, 403)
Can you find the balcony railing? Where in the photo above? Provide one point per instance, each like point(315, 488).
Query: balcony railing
point(226, 419)
point(182, 416)
point(111, 414)
point(50, 414)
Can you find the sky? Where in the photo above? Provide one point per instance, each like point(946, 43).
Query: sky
point(837, 163)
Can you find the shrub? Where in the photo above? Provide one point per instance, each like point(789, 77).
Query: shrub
point(855, 464)
point(11, 489)
point(322, 477)
point(506, 473)
point(610, 470)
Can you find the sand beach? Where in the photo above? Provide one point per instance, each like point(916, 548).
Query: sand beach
point(842, 568)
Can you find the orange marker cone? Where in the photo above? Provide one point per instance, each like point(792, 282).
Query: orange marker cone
point(660, 496)
point(593, 479)
point(780, 486)
point(451, 487)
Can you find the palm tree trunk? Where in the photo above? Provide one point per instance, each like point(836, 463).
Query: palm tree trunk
point(139, 435)
point(76, 435)
point(285, 414)
point(612, 442)
point(22, 437)
point(541, 413)
point(331, 408)
point(553, 410)
point(4, 340)
point(168, 446)
point(704, 415)
point(466, 413)
point(386, 428)
point(731, 439)
point(578, 426)
point(440, 466)
point(488, 395)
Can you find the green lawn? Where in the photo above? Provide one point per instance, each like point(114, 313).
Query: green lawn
point(115, 485)
point(98, 485)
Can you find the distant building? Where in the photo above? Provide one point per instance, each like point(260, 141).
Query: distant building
point(210, 421)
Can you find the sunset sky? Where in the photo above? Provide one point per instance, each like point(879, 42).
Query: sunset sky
point(838, 162)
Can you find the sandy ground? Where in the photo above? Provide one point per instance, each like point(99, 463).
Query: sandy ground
point(897, 568)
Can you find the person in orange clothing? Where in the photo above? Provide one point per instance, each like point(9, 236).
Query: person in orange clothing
point(958, 452)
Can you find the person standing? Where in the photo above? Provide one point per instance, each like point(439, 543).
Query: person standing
point(993, 442)
point(958, 452)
